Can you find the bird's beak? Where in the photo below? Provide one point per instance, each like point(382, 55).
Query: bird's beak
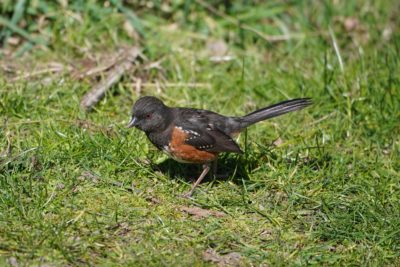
point(132, 123)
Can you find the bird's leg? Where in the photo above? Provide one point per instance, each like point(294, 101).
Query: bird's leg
point(214, 167)
point(206, 169)
point(215, 171)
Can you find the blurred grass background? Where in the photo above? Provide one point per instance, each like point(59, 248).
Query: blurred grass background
point(317, 187)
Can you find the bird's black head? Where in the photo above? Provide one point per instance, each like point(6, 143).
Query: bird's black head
point(149, 114)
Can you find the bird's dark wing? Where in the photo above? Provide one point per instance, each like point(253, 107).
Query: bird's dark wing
point(203, 133)
point(212, 141)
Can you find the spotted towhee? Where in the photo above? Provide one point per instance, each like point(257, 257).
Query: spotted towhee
point(195, 135)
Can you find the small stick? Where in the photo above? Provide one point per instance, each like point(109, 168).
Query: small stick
point(92, 97)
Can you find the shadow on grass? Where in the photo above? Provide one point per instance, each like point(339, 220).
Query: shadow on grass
point(234, 169)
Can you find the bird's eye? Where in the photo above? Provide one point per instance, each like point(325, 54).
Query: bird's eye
point(148, 116)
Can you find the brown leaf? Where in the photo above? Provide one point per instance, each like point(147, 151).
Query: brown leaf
point(230, 259)
point(13, 40)
point(387, 33)
point(351, 24)
point(278, 142)
point(60, 186)
point(218, 51)
point(12, 261)
point(217, 48)
point(153, 200)
point(121, 229)
point(87, 175)
point(199, 213)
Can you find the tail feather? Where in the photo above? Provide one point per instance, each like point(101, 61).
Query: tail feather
point(275, 110)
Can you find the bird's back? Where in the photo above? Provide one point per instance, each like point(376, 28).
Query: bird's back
point(202, 119)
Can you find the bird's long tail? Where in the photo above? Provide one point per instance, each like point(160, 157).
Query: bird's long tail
point(274, 111)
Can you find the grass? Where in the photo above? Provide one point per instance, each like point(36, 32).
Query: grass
point(81, 189)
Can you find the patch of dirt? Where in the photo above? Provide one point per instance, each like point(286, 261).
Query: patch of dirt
point(230, 259)
point(199, 213)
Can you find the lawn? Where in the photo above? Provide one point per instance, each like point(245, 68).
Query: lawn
point(316, 187)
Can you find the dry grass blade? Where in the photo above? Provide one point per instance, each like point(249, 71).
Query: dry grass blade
point(54, 67)
point(7, 153)
point(92, 97)
point(96, 70)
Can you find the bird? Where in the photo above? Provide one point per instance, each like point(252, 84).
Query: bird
point(191, 135)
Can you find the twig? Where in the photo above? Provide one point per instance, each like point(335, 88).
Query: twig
point(114, 75)
point(96, 70)
point(323, 118)
point(102, 68)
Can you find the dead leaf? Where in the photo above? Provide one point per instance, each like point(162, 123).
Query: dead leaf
point(351, 24)
point(266, 234)
point(218, 51)
point(355, 29)
point(13, 40)
point(230, 259)
point(87, 175)
point(278, 142)
point(60, 186)
point(200, 213)
point(13, 262)
point(217, 48)
point(153, 200)
point(387, 33)
point(121, 229)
